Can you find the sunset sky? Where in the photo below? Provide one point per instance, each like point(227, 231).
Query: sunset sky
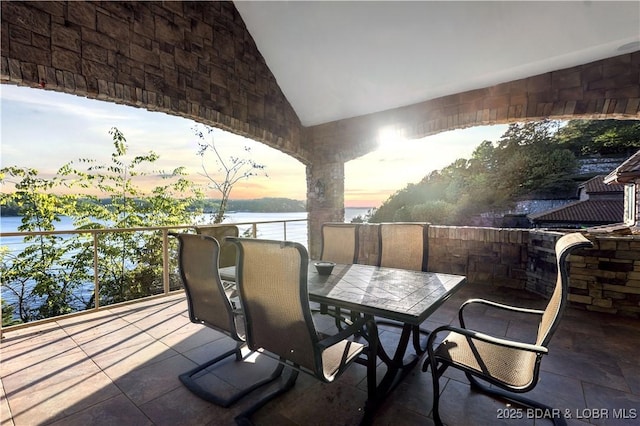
point(44, 129)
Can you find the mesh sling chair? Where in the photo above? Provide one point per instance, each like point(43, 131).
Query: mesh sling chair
point(209, 304)
point(219, 232)
point(227, 250)
point(339, 245)
point(511, 366)
point(272, 281)
point(404, 245)
point(340, 242)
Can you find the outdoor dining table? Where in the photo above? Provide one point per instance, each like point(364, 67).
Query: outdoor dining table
point(401, 295)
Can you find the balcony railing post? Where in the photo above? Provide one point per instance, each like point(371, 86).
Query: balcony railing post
point(96, 281)
point(165, 260)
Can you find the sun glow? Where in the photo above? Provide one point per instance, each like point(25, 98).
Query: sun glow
point(390, 136)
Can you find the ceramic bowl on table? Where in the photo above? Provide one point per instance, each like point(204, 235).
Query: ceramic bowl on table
point(324, 268)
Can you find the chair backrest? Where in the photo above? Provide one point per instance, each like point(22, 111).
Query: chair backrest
point(208, 304)
point(340, 243)
point(272, 281)
point(404, 245)
point(555, 307)
point(219, 232)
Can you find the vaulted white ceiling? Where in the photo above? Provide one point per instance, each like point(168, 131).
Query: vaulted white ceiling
point(340, 59)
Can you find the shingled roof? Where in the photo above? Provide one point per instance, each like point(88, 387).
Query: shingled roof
point(604, 205)
point(596, 185)
point(626, 172)
point(588, 212)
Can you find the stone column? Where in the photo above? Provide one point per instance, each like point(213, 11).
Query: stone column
point(325, 199)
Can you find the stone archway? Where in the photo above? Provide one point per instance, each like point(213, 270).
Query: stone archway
point(190, 59)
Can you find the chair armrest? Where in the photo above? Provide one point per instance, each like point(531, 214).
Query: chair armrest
point(494, 305)
point(485, 338)
point(352, 329)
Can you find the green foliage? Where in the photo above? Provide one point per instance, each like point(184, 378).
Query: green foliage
point(438, 211)
point(45, 277)
point(604, 137)
point(7, 314)
point(267, 205)
point(530, 159)
point(131, 262)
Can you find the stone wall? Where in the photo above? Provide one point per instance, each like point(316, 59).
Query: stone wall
point(325, 191)
point(196, 59)
point(600, 165)
point(484, 255)
point(192, 59)
point(605, 278)
point(495, 256)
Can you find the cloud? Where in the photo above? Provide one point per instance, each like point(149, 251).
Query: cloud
point(47, 101)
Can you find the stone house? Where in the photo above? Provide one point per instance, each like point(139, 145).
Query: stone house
point(598, 204)
point(628, 174)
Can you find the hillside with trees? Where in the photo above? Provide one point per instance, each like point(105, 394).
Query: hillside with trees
point(530, 160)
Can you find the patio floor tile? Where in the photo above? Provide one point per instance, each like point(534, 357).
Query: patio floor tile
point(121, 366)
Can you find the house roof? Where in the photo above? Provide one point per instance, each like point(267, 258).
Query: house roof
point(336, 60)
point(596, 185)
point(584, 212)
point(625, 172)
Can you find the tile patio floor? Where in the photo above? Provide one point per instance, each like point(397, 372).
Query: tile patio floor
point(121, 366)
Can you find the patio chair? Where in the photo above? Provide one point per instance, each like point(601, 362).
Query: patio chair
point(340, 242)
point(219, 232)
point(209, 304)
point(512, 367)
point(227, 251)
point(339, 245)
point(272, 281)
point(404, 245)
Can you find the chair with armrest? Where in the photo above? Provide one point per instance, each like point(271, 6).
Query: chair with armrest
point(272, 282)
point(339, 245)
point(512, 367)
point(404, 245)
point(209, 304)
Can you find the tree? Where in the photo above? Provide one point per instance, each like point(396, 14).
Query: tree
point(229, 171)
point(131, 263)
point(527, 160)
point(604, 137)
point(47, 275)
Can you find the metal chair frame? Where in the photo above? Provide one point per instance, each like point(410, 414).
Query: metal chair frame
point(388, 260)
point(254, 304)
point(209, 248)
point(333, 251)
point(439, 359)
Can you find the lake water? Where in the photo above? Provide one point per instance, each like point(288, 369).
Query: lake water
point(295, 231)
point(11, 223)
